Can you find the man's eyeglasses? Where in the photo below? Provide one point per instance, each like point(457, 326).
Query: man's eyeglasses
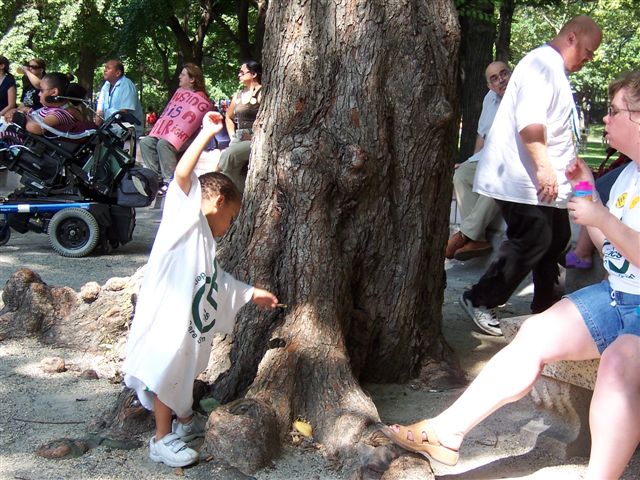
point(34, 67)
point(501, 75)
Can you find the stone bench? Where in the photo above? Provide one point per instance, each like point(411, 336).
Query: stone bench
point(563, 394)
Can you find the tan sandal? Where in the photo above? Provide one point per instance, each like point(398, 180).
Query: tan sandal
point(430, 447)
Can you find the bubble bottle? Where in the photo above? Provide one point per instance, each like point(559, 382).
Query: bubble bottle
point(584, 190)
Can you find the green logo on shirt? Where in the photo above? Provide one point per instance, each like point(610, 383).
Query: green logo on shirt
point(205, 322)
point(610, 255)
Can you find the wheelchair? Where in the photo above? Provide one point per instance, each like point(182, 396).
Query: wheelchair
point(80, 188)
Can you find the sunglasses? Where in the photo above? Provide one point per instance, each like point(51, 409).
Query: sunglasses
point(35, 67)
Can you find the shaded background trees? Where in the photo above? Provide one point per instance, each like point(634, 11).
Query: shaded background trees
point(156, 37)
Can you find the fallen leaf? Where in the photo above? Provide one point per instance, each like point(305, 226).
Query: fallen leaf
point(303, 427)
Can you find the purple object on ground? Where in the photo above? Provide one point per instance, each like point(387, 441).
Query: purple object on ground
point(574, 261)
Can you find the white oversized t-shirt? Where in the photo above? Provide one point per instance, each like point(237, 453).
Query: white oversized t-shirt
point(184, 299)
point(624, 204)
point(538, 93)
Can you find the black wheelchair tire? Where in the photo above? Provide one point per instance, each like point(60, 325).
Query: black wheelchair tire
point(5, 232)
point(73, 232)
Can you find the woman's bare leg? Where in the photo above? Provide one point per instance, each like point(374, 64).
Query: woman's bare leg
point(559, 333)
point(614, 416)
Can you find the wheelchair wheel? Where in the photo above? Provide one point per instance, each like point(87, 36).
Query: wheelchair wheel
point(73, 232)
point(5, 231)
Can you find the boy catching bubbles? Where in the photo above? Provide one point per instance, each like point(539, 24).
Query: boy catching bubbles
point(185, 298)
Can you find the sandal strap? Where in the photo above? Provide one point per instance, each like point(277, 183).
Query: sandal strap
point(430, 433)
point(417, 429)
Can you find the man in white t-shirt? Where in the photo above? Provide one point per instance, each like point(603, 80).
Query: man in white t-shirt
point(532, 141)
point(478, 212)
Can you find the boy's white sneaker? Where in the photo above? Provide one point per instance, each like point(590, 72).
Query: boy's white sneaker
point(172, 451)
point(190, 430)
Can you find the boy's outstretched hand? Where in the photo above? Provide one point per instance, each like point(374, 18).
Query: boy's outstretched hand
point(264, 299)
point(212, 123)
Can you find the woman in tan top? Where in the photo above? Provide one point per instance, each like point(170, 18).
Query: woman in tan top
point(240, 117)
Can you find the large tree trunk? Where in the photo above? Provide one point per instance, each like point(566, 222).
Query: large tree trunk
point(346, 209)
point(87, 63)
point(503, 42)
point(476, 52)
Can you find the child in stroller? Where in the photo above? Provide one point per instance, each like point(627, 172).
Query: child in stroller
point(79, 187)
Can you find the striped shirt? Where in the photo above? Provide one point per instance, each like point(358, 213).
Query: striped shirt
point(64, 117)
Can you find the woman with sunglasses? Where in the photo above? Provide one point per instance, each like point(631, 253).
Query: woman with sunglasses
point(33, 72)
point(600, 321)
point(241, 114)
point(7, 87)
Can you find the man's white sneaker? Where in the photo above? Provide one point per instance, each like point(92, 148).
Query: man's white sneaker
point(486, 319)
point(172, 451)
point(193, 429)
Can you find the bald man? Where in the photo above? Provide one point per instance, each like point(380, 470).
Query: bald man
point(118, 94)
point(478, 212)
point(522, 166)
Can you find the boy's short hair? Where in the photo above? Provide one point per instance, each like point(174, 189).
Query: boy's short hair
point(57, 80)
point(216, 183)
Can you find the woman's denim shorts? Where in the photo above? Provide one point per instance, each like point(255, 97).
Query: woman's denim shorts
point(607, 313)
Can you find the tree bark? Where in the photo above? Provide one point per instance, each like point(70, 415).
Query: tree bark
point(87, 63)
point(476, 52)
point(345, 213)
point(503, 42)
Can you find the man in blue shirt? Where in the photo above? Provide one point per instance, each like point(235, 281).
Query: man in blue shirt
point(118, 94)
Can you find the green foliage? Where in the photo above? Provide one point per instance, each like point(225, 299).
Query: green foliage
point(595, 150)
point(144, 33)
point(16, 42)
point(478, 9)
point(54, 30)
point(619, 51)
point(137, 31)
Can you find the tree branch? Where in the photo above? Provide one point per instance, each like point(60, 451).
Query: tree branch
point(185, 45)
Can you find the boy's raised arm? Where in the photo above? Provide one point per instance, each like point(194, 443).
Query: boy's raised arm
point(211, 124)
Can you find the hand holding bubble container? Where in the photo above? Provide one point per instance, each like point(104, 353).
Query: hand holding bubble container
point(584, 190)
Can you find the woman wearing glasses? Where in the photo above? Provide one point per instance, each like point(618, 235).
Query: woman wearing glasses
point(239, 120)
point(7, 87)
point(33, 72)
point(600, 321)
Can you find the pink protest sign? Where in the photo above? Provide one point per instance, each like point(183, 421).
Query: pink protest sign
point(181, 117)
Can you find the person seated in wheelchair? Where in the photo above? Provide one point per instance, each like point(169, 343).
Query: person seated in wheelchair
point(59, 114)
